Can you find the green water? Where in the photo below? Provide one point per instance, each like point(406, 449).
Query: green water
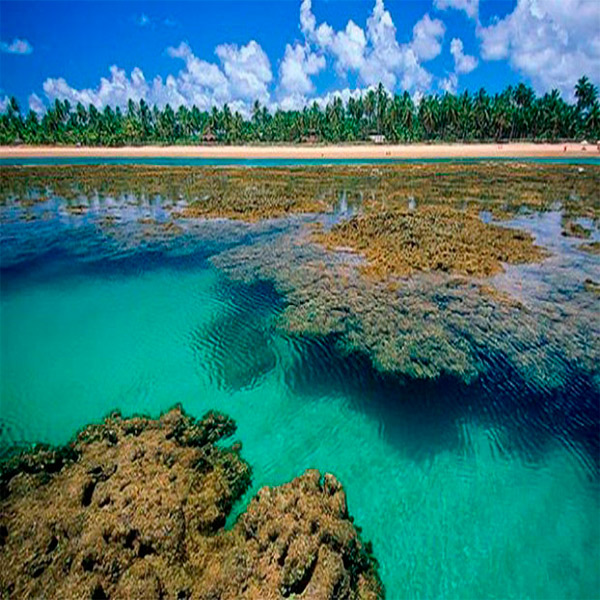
point(452, 509)
point(277, 162)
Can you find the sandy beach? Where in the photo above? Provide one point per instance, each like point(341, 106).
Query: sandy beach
point(364, 151)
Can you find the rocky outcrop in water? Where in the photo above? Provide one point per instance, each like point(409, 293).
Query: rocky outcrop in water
point(136, 508)
point(425, 326)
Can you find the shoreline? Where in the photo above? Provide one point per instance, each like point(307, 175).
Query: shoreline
point(407, 151)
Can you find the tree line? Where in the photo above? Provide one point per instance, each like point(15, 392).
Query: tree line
point(516, 113)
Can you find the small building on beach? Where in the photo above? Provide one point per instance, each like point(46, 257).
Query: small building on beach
point(377, 138)
point(208, 137)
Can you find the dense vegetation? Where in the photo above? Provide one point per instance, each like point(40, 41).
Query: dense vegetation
point(515, 114)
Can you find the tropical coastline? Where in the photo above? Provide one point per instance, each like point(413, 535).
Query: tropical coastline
point(370, 252)
point(412, 308)
point(306, 151)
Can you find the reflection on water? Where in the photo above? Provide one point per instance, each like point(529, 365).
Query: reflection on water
point(487, 489)
point(559, 278)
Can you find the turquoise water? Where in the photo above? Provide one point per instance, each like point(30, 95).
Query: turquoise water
point(465, 491)
point(277, 162)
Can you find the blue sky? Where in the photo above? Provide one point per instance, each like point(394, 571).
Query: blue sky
point(288, 52)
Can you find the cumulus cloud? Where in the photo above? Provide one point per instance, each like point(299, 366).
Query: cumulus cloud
point(552, 42)
point(463, 63)
point(35, 104)
point(471, 7)
point(115, 90)
point(344, 94)
point(4, 100)
point(374, 53)
point(427, 38)
point(449, 84)
point(247, 69)
point(296, 69)
point(17, 46)
point(242, 76)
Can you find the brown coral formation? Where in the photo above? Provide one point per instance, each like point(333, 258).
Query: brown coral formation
point(432, 238)
point(590, 247)
point(251, 194)
point(573, 229)
point(592, 286)
point(135, 508)
point(425, 326)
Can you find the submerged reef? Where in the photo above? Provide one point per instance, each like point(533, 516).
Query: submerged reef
point(590, 247)
point(432, 238)
point(573, 229)
point(425, 326)
point(256, 193)
point(427, 269)
point(136, 508)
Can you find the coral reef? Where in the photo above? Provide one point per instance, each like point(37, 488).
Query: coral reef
point(432, 238)
point(573, 229)
point(428, 325)
point(422, 231)
point(590, 247)
point(135, 508)
point(592, 286)
point(251, 194)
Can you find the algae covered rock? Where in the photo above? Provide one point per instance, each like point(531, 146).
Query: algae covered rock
point(432, 238)
point(136, 508)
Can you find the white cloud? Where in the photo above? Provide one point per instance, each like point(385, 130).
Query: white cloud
point(295, 102)
point(463, 63)
point(17, 46)
point(115, 90)
point(348, 46)
point(344, 95)
point(471, 7)
point(4, 100)
point(143, 20)
point(296, 69)
point(308, 21)
point(427, 38)
point(242, 77)
point(248, 70)
point(449, 84)
point(375, 53)
point(552, 42)
point(243, 74)
point(35, 104)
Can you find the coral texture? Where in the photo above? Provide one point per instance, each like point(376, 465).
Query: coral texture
point(432, 238)
point(136, 508)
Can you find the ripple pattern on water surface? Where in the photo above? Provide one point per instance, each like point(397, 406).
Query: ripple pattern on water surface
point(467, 490)
point(237, 348)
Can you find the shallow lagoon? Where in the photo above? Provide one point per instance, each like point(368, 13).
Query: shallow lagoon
point(464, 490)
point(281, 162)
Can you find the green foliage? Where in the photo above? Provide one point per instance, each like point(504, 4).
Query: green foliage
point(514, 114)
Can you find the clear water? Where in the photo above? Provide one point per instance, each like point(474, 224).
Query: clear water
point(276, 162)
point(465, 492)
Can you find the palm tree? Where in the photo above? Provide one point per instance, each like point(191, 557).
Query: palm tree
point(514, 113)
point(586, 94)
point(592, 123)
